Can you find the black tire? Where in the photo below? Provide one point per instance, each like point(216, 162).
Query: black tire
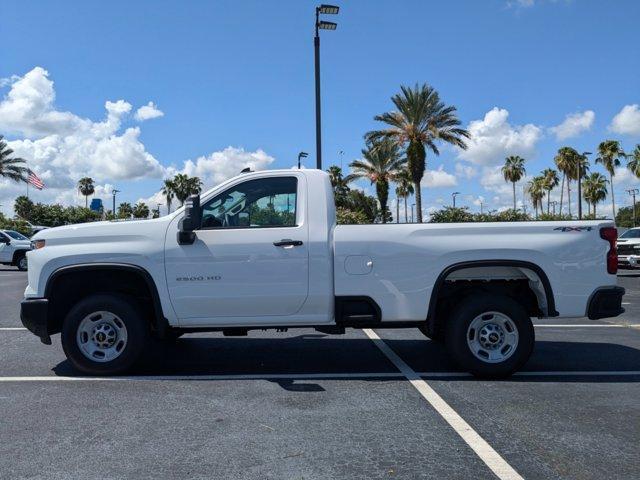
point(457, 329)
point(137, 330)
point(22, 265)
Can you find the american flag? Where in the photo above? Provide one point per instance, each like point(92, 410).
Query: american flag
point(34, 180)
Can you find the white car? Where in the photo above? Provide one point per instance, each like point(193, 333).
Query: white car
point(263, 251)
point(629, 248)
point(13, 249)
point(34, 228)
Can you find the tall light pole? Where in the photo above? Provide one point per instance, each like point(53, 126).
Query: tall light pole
point(321, 25)
point(158, 209)
point(341, 153)
point(454, 195)
point(301, 155)
point(481, 206)
point(580, 159)
point(412, 205)
point(114, 201)
point(633, 192)
point(553, 204)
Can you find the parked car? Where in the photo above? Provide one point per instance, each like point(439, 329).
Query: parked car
point(263, 251)
point(628, 245)
point(35, 228)
point(13, 249)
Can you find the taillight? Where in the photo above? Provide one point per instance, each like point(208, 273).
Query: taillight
point(610, 234)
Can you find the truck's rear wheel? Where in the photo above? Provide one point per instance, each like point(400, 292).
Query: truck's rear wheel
point(104, 334)
point(490, 336)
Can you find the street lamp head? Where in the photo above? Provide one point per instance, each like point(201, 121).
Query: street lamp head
point(115, 191)
point(584, 154)
point(303, 155)
point(329, 9)
point(455, 193)
point(322, 25)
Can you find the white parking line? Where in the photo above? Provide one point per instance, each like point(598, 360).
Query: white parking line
point(579, 325)
point(12, 329)
point(310, 376)
point(487, 454)
point(153, 378)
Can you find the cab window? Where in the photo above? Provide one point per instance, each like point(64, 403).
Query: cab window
point(260, 203)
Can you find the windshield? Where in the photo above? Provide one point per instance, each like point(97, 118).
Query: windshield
point(633, 233)
point(15, 235)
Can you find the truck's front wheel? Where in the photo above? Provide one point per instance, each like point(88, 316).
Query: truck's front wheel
point(490, 336)
point(104, 334)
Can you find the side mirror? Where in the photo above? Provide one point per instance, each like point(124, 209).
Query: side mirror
point(5, 240)
point(191, 221)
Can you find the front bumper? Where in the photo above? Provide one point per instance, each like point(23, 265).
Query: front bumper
point(34, 313)
point(632, 261)
point(605, 302)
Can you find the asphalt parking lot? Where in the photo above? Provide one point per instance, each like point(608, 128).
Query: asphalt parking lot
point(303, 405)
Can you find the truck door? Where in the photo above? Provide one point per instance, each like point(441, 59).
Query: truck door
point(250, 257)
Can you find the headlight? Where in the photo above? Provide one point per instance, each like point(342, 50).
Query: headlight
point(36, 244)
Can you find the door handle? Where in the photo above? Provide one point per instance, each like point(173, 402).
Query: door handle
point(287, 242)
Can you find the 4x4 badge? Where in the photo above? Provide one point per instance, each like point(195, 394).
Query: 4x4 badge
point(574, 229)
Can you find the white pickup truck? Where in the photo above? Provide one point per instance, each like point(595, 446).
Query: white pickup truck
point(263, 251)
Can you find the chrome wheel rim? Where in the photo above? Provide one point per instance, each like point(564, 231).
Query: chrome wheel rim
point(22, 264)
point(492, 337)
point(102, 336)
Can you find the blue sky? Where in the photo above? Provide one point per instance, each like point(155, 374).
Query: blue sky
point(240, 75)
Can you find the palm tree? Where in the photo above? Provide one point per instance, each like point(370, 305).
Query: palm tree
point(634, 163)
point(551, 181)
point(11, 168)
point(339, 184)
point(594, 189)
point(380, 164)
point(565, 160)
point(125, 210)
point(404, 189)
point(536, 190)
point(512, 171)
point(86, 188)
point(420, 121)
point(609, 154)
point(578, 163)
point(168, 192)
point(184, 185)
point(141, 210)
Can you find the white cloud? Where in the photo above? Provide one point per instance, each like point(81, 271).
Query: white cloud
point(148, 111)
point(627, 121)
point(493, 139)
point(574, 124)
point(8, 80)
point(220, 166)
point(521, 3)
point(466, 171)
point(438, 178)
point(479, 200)
point(28, 108)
